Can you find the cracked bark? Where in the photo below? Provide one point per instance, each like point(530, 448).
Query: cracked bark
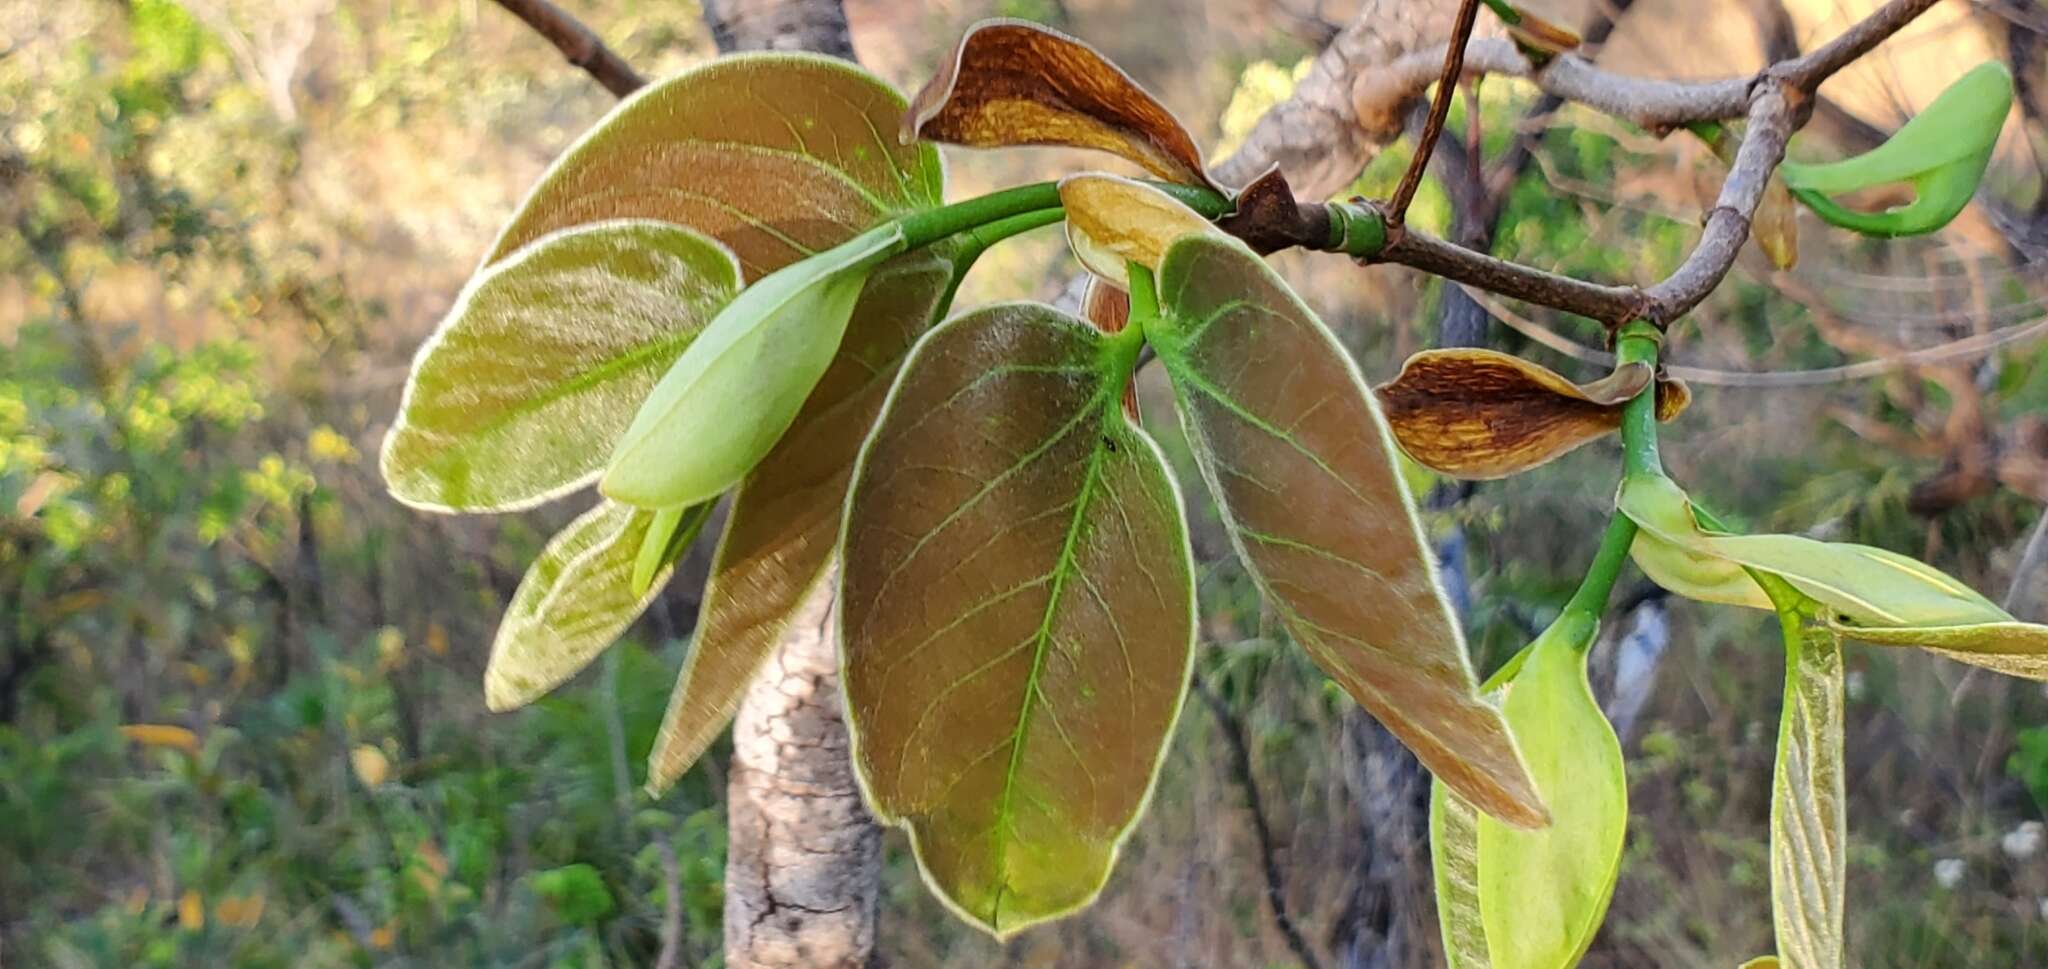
point(803, 856)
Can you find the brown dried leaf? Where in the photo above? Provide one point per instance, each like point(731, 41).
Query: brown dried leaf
point(1266, 215)
point(1481, 414)
point(1017, 612)
point(1306, 476)
point(1014, 83)
point(779, 538)
point(1114, 221)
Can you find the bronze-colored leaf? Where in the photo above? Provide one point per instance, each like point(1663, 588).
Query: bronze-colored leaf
point(784, 523)
point(1305, 473)
point(1481, 414)
point(1014, 83)
point(777, 156)
point(1113, 222)
point(1017, 611)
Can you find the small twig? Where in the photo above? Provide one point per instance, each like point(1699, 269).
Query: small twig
point(2030, 560)
point(1805, 73)
point(1612, 305)
point(671, 954)
point(1241, 765)
point(578, 44)
point(1439, 110)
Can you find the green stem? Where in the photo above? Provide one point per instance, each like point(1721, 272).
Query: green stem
point(1637, 343)
point(921, 229)
point(977, 240)
point(1591, 597)
point(1144, 295)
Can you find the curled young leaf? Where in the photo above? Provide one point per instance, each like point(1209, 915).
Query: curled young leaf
point(784, 523)
point(2011, 647)
point(1113, 222)
point(740, 385)
point(543, 361)
point(1306, 477)
point(1808, 840)
point(1481, 414)
point(1017, 611)
point(778, 156)
point(575, 600)
point(1869, 586)
point(1454, 859)
point(1942, 153)
point(1014, 83)
point(1543, 893)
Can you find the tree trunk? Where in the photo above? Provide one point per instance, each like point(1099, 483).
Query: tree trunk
point(803, 860)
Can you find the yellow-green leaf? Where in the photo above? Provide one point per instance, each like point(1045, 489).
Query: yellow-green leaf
point(1017, 611)
point(575, 600)
point(1454, 857)
point(783, 526)
point(2011, 647)
point(1869, 586)
point(1808, 842)
point(776, 155)
point(1113, 222)
point(543, 361)
point(727, 400)
point(1305, 473)
point(1544, 892)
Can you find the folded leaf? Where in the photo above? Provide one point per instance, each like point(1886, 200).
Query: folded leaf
point(778, 156)
point(576, 599)
point(1543, 893)
point(729, 398)
point(1481, 414)
point(1454, 858)
point(1013, 83)
point(783, 526)
point(1017, 611)
point(1808, 840)
point(1869, 586)
point(1113, 222)
point(1942, 153)
point(543, 361)
point(1305, 474)
point(2011, 647)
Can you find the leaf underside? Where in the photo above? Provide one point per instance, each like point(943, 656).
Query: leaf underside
point(1479, 414)
point(1017, 613)
point(544, 354)
point(784, 523)
point(776, 155)
point(1454, 856)
point(1807, 807)
point(1008, 82)
point(1305, 473)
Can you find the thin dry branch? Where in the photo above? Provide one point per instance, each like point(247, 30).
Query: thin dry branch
point(1439, 110)
point(578, 44)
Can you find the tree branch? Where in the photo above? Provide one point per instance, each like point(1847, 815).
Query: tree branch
point(578, 44)
point(1241, 765)
point(1439, 109)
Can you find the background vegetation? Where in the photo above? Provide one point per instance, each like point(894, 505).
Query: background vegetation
point(241, 720)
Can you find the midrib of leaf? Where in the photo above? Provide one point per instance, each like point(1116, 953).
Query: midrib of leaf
point(1194, 379)
point(1041, 640)
point(586, 380)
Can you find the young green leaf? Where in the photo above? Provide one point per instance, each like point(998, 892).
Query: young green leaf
point(544, 359)
point(778, 156)
point(1481, 414)
point(1306, 476)
point(1761, 962)
point(1017, 612)
point(1454, 858)
point(784, 524)
point(729, 398)
point(1808, 843)
point(1014, 83)
point(1543, 893)
point(1869, 594)
point(1941, 153)
point(576, 599)
point(1112, 222)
